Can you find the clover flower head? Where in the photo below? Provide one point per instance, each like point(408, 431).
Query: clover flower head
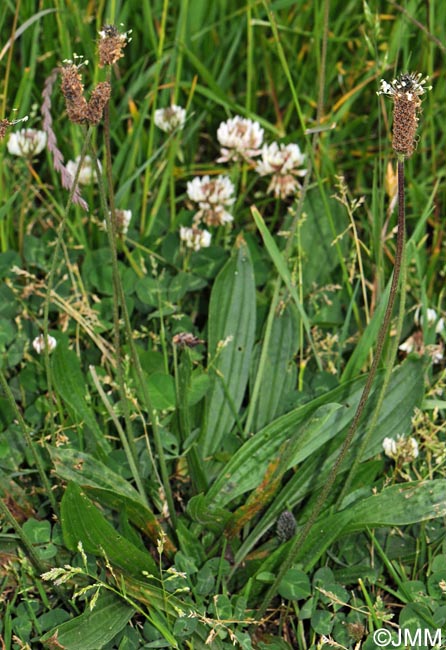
point(87, 175)
point(240, 139)
point(39, 343)
point(195, 238)
point(403, 449)
point(282, 162)
point(405, 91)
point(212, 197)
point(123, 219)
point(171, 118)
point(27, 142)
point(432, 319)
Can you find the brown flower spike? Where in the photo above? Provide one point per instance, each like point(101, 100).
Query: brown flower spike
point(98, 99)
point(73, 91)
point(78, 110)
point(5, 124)
point(405, 91)
point(111, 44)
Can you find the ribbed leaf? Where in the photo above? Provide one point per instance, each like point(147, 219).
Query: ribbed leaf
point(397, 505)
point(106, 487)
point(284, 272)
point(83, 522)
point(232, 316)
point(92, 630)
point(283, 345)
point(246, 468)
point(404, 393)
point(70, 384)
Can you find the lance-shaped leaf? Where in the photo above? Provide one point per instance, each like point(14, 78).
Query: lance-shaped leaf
point(232, 317)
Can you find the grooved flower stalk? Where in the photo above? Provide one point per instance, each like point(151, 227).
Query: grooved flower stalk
point(405, 92)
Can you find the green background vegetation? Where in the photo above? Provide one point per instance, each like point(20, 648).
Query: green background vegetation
point(172, 466)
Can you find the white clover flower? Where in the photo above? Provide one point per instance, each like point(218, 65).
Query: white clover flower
point(240, 139)
point(282, 162)
point(212, 197)
point(87, 175)
point(195, 238)
point(123, 218)
point(39, 343)
point(171, 118)
point(26, 142)
point(432, 318)
point(402, 449)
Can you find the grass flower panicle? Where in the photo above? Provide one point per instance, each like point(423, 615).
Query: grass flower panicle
point(27, 142)
point(240, 139)
point(171, 118)
point(283, 163)
point(39, 343)
point(87, 174)
point(405, 91)
point(195, 238)
point(213, 196)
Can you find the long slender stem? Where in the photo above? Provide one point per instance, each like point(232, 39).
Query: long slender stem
point(52, 273)
point(111, 233)
point(382, 336)
point(30, 443)
point(120, 299)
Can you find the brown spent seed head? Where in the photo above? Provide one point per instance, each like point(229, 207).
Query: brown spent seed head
point(405, 91)
point(4, 124)
point(111, 44)
point(98, 100)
